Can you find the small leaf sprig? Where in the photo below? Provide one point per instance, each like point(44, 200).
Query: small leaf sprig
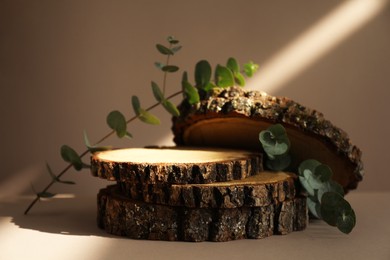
point(224, 76)
point(276, 146)
point(325, 197)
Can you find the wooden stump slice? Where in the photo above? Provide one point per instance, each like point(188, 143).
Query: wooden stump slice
point(175, 165)
point(122, 216)
point(262, 189)
point(233, 118)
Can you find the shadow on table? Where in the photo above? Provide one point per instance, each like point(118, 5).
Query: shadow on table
point(75, 216)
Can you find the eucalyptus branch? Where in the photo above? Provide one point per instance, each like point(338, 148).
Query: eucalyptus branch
point(69, 166)
point(224, 77)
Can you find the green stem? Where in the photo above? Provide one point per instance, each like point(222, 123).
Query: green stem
point(86, 152)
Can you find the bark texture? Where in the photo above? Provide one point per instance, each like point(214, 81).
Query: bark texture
point(233, 117)
point(232, 165)
point(122, 216)
point(262, 189)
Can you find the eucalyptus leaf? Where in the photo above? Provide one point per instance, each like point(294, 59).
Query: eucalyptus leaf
point(176, 48)
point(117, 122)
point(279, 132)
point(159, 65)
point(148, 118)
point(209, 86)
point(172, 40)
point(323, 172)
point(306, 185)
point(314, 207)
point(330, 186)
point(191, 93)
point(171, 108)
point(136, 105)
point(184, 77)
point(164, 50)
point(233, 65)
point(55, 178)
point(202, 73)
point(347, 221)
point(239, 79)
point(271, 145)
point(158, 94)
point(45, 194)
point(313, 180)
point(170, 68)
point(279, 163)
point(93, 148)
point(142, 114)
point(309, 164)
point(250, 68)
point(68, 154)
point(332, 205)
point(223, 77)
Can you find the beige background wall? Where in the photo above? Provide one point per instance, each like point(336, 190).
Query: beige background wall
point(64, 65)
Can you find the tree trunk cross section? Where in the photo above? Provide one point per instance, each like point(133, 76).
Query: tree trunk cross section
point(122, 216)
point(233, 118)
point(175, 165)
point(262, 189)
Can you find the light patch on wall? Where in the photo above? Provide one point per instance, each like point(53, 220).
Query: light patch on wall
point(314, 43)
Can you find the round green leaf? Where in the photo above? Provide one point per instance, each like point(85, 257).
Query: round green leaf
point(331, 205)
point(176, 49)
point(313, 181)
point(323, 172)
point(279, 163)
point(69, 155)
point(171, 108)
point(233, 65)
point(55, 178)
point(191, 93)
point(45, 194)
point(250, 68)
point(172, 40)
point(159, 65)
point(117, 122)
point(93, 148)
point(309, 164)
point(336, 211)
point(347, 221)
point(270, 145)
point(164, 50)
point(202, 73)
point(239, 79)
point(136, 104)
point(330, 186)
point(314, 207)
point(305, 184)
point(158, 95)
point(170, 68)
point(223, 77)
point(148, 118)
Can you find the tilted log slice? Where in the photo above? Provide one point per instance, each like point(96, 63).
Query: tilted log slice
point(122, 216)
point(233, 118)
point(175, 165)
point(262, 189)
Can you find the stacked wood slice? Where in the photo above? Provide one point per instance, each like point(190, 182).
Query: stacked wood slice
point(195, 195)
point(233, 118)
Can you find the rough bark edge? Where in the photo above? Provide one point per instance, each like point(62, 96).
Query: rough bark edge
point(272, 188)
point(197, 173)
point(257, 105)
point(138, 220)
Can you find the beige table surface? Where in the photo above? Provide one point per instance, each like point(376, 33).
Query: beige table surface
point(66, 229)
